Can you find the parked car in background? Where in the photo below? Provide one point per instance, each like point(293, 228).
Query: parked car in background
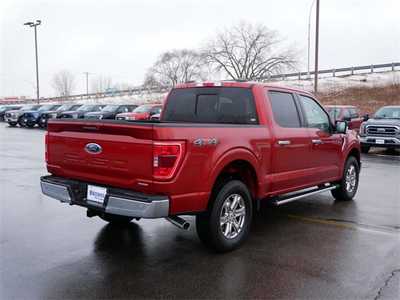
point(216, 153)
point(383, 130)
point(141, 113)
point(81, 111)
point(6, 108)
point(110, 111)
point(32, 118)
point(348, 113)
point(53, 114)
point(13, 117)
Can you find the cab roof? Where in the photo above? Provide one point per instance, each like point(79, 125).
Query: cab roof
point(240, 84)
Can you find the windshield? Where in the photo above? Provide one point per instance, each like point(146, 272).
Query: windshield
point(64, 107)
point(334, 112)
point(388, 113)
point(86, 107)
point(142, 109)
point(110, 108)
point(30, 107)
point(46, 107)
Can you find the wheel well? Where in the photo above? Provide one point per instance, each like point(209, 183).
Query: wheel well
point(241, 170)
point(354, 152)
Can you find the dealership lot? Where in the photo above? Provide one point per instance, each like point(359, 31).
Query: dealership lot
point(314, 248)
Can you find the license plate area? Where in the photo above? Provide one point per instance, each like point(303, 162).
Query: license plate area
point(380, 142)
point(96, 194)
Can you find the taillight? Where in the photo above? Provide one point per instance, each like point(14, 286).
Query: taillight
point(46, 153)
point(167, 156)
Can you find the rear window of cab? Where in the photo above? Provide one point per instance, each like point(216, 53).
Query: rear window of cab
point(228, 105)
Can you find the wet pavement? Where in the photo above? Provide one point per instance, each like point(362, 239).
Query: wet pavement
point(314, 248)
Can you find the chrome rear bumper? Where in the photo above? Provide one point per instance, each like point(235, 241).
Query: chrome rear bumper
point(117, 201)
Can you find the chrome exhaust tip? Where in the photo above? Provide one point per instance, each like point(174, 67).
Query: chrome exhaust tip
point(179, 222)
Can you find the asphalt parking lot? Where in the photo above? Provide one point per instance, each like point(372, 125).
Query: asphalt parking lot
point(315, 248)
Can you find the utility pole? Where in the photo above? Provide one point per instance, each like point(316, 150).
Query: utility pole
point(87, 83)
point(309, 39)
point(316, 49)
point(34, 25)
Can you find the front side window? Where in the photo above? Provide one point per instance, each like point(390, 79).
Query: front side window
point(284, 109)
point(314, 114)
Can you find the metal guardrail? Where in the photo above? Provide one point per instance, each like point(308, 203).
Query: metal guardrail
point(370, 68)
point(141, 89)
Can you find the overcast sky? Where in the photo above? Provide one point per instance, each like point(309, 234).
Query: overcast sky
point(121, 39)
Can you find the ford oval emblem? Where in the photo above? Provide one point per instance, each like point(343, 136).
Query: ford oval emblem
point(93, 148)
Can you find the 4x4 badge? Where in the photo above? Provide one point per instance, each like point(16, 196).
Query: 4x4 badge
point(202, 142)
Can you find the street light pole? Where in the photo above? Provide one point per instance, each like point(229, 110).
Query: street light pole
point(309, 39)
point(316, 48)
point(34, 25)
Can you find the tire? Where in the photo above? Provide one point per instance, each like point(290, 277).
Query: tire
point(12, 124)
point(220, 237)
point(348, 185)
point(30, 125)
point(115, 219)
point(365, 149)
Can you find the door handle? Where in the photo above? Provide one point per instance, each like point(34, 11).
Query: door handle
point(317, 142)
point(282, 143)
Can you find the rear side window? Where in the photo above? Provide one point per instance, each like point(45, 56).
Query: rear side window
point(228, 105)
point(284, 109)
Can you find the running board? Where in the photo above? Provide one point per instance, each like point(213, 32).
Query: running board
point(293, 197)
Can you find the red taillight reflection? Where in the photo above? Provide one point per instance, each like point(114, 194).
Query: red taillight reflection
point(166, 158)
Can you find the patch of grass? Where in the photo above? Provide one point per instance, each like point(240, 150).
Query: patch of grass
point(368, 99)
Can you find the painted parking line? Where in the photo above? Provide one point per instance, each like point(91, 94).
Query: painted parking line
point(348, 224)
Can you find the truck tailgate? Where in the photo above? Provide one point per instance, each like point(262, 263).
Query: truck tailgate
point(107, 153)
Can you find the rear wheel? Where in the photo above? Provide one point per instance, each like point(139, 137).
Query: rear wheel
point(115, 219)
point(226, 225)
point(349, 183)
point(365, 149)
point(12, 124)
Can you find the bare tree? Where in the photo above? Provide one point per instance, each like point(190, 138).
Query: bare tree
point(248, 51)
point(176, 66)
point(63, 83)
point(101, 83)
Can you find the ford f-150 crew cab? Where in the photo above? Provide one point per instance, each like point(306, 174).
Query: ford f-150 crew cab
point(217, 151)
point(383, 130)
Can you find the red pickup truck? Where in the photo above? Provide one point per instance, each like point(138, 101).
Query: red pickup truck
point(219, 149)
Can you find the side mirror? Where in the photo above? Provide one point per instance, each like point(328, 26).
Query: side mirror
point(365, 117)
point(341, 127)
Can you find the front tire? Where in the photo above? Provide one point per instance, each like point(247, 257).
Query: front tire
point(12, 124)
point(115, 219)
point(348, 185)
point(226, 225)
